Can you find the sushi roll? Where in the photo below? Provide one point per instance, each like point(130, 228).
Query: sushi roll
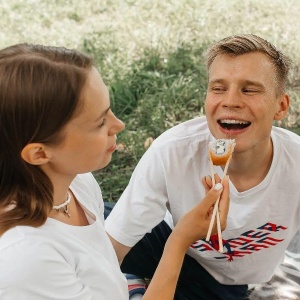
point(220, 151)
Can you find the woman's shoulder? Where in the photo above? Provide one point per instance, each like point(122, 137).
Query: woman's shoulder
point(32, 264)
point(23, 248)
point(23, 239)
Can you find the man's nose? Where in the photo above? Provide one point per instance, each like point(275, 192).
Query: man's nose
point(232, 98)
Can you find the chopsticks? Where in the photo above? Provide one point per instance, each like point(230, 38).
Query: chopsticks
point(216, 208)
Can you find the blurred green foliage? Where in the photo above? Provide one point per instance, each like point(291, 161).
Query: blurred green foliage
point(158, 92)
point(149, 54)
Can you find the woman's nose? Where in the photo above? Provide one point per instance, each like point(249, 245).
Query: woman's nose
point(116, 126)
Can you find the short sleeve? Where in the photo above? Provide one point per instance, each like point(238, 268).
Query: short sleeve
point(142, 205)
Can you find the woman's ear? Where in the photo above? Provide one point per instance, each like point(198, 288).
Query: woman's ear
point(35, 154)
point(283, 107)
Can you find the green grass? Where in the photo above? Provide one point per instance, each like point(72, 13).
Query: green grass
point(150, 55)
point(160, 91)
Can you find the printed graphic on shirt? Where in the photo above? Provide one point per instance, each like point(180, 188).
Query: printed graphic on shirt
point(247, 243)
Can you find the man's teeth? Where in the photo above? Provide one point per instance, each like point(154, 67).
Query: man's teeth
point(233, 122)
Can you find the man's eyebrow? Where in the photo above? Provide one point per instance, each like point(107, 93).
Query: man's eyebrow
point(255, 83)
point(216, 81)
point(246, 82)
point(102, 115)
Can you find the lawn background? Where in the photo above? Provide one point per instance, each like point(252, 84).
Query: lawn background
point(150, 56)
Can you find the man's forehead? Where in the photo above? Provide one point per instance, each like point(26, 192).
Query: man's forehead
point(254, 62)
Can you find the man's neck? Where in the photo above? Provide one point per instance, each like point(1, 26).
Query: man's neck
point(248, 169)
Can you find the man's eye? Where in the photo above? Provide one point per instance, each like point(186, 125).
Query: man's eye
point(250, 91)
point(218, 89)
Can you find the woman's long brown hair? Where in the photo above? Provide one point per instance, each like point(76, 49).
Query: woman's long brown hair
point(39, 93)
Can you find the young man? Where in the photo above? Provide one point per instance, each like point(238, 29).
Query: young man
point(246, 92)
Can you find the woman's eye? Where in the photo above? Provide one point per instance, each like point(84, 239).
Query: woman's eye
point(103, 123)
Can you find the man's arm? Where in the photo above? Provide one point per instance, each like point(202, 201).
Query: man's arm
point(121, 250)
point(141, 207)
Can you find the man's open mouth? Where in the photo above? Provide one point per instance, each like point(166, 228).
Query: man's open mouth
point(233, 124)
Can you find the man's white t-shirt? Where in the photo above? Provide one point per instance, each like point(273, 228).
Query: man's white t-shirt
point(60, 261)
point(261, 221)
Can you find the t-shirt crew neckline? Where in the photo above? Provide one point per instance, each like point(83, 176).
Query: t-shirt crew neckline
point(261, 186)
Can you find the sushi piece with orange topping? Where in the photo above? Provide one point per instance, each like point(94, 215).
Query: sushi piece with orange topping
point(220, 151)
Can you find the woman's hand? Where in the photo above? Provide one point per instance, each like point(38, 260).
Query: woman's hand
point(190, 228)
point(194, 224)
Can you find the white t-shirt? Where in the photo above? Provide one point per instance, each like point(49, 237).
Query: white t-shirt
point(261, 221)
point(60, 261)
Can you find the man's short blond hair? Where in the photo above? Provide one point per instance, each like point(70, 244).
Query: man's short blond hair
point(246, 43)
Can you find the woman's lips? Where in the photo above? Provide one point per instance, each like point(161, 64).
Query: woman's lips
point(112, 148)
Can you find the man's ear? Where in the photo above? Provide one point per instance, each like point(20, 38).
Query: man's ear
point(283, 107)
point(35, 154)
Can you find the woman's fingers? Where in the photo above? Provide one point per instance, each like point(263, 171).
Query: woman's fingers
point(211, 197)
point(208, 183)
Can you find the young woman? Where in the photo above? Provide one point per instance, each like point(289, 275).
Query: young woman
point(56, 126)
